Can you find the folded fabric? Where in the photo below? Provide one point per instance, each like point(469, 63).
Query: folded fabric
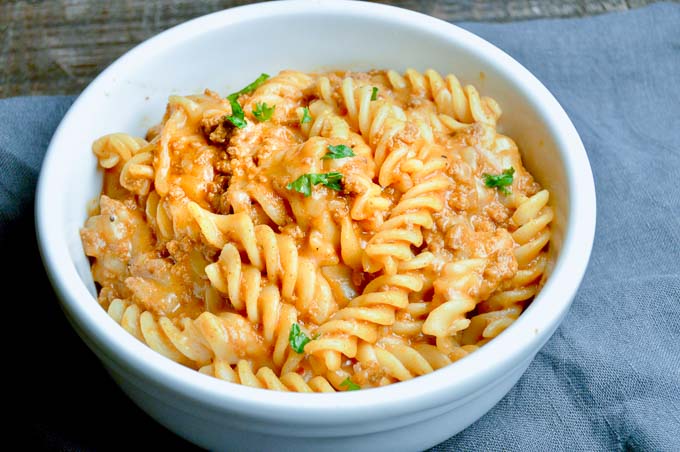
point(609, 379)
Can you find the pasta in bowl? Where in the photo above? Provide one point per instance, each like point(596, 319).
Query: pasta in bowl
point(319, 231)
point(353, 229)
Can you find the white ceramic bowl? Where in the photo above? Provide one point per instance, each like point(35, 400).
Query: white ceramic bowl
point(226, 50)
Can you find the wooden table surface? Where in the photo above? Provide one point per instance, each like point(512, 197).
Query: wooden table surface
point(59, 46)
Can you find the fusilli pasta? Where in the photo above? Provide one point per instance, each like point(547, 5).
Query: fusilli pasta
point(319, 232)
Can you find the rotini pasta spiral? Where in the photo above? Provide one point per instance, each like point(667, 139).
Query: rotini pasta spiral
point(359, 320)
point(137, 173)
point(532, 218)
point(394, 238)
point(247, 292)
point(451, 288)
point(319, 232)
point(115, 148)
point(456, 105)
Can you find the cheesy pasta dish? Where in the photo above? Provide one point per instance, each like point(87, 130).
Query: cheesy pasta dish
point(319, 232)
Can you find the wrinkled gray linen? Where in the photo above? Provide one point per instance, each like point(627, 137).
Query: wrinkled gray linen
point(609, 378)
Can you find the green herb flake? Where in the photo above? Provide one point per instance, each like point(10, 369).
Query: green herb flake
point(349, 384)
point(500, 181)
point(250, 88)
point(306, 117)
point(304, 183)
point(263, 112)
point(297, 338)
point(374, 93)
point(237, 117)
point(338, 152)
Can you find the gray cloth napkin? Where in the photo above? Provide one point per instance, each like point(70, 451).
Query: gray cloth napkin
point(610, 376)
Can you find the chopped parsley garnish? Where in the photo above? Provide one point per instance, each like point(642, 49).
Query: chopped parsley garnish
point(250, 88)
point(237, 117)
point(374, 93)
point(262, 111)
point(306, 117)
point(297, 338)
point(338, 152)
point(500, 181)
point(350, 385)
point(303, 184)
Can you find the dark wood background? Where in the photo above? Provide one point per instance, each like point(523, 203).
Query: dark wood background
point(59, 46)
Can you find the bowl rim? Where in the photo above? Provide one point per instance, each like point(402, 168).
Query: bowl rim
point(522, 339)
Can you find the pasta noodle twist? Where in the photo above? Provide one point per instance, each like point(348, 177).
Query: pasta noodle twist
point(365, 115)
point(532, 217)
point(409, 323)
point(137, 172)
point(394, 238)
point(115, 148)
point(243, 285)
point(360, 319)
point(158, 217)
point(379, 122)
point(451, 299)
point(484, 327)
point(457, 106)
point(400, 362)
point(368, 202)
